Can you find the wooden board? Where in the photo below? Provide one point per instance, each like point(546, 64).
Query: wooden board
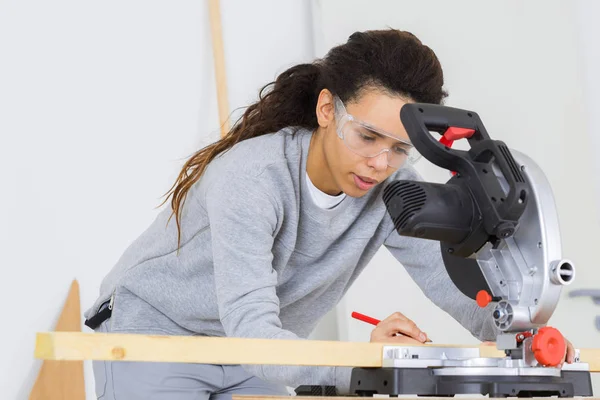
point(218, 350)
point(210, 350)
point(63, 379)
point(216, 31)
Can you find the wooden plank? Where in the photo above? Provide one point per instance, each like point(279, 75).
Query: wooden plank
point(218, 350)
point(63, 379)
point(592, 357)
point(210, 350)
point(219, 64)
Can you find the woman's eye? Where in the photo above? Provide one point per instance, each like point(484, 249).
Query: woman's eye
point(400, 150)
point(366, 137)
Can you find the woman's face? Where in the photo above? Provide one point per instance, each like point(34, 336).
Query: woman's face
point(350, 158)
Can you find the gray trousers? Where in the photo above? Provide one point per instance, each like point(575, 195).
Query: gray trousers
point(128, 380)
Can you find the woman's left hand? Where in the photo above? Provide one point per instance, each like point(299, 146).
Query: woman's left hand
point(569, 353)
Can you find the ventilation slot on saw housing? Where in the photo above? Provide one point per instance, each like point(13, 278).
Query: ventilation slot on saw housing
point(413, 198)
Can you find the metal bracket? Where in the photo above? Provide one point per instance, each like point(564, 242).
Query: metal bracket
point(594, 294)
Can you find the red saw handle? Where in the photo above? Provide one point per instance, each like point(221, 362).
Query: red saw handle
point(454, 133)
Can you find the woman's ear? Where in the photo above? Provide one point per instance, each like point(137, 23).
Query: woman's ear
point(325, 108)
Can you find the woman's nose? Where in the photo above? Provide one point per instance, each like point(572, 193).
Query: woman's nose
point(380, 161)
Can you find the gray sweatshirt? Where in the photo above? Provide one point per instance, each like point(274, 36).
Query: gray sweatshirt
point(260, 259)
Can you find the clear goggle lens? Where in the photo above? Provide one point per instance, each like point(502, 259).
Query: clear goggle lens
point(365, 141)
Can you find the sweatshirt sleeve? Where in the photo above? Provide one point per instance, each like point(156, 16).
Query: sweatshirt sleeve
point(243, 216)
point(423, 261)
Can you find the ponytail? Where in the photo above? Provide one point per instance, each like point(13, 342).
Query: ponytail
point(290, 100)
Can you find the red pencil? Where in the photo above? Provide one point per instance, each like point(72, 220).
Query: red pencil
point(365, 318)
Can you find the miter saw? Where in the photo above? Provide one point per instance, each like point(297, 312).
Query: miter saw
point(498, 229)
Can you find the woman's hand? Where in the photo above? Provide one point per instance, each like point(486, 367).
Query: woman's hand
point(398, 328)
point(569, 353)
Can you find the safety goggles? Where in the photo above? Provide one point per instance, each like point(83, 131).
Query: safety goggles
point(367, 141)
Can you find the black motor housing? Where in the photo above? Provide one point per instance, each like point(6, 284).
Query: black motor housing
point(430, 210)
point(488, 192)
point(481, 203)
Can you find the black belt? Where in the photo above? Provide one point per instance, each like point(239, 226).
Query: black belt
point(102, 315)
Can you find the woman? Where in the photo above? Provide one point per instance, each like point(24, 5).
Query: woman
point(269, 226)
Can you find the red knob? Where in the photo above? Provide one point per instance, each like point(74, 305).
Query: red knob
point(483, 298)
point(549, 347)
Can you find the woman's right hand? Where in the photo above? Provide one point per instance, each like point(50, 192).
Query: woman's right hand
point(397, 328)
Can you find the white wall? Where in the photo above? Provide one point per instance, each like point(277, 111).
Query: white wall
point(586, 17)
point(100, 102)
